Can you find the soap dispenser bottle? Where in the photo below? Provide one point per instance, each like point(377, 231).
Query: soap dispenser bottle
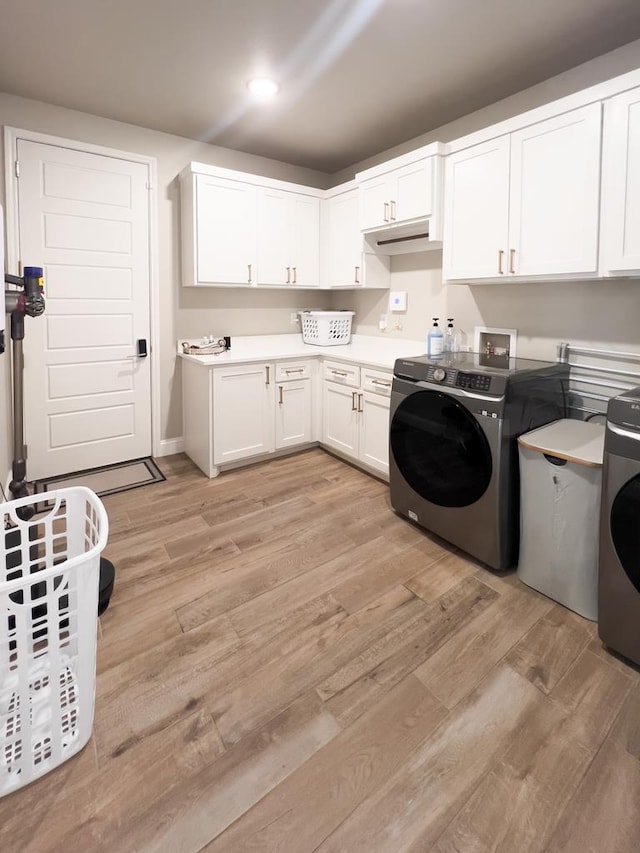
point(450, 338)
point(435, 340)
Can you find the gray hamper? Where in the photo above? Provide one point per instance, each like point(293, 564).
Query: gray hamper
point(560, 477)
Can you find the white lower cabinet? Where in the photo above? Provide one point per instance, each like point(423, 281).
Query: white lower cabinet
point(355, 414)
point(293, 413)
point(242, 411)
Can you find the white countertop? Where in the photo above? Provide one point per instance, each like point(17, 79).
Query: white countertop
point(363, 349)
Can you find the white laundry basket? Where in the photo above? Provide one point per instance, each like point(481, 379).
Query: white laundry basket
point(326, 328)
point(49, 575)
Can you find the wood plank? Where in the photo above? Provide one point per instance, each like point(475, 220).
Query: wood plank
point(222, 792)
point(400, 651)
point(603, 815)
point(439, 576)
point(124, 786)
point(461, 663)
point(314, 800)
point(594, 693)
point(516, 807)
point(411, 809)
point(547, 651)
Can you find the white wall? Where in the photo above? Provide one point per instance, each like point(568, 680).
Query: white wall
point(579, 312)
point(182, 312)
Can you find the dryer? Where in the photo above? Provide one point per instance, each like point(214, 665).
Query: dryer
point(619, 562)
point(453, 460)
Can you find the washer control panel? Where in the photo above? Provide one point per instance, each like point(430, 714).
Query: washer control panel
point(473, 381)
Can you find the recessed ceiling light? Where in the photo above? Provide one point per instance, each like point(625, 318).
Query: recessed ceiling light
point(263, 87)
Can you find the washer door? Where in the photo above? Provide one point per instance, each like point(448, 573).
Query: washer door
point(625, 532)
point(440, 449)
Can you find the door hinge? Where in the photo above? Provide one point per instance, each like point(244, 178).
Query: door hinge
point(17, 168)
point(149, 186)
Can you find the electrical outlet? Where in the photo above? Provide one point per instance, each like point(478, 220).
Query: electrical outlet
point(382, 323)
point(294, 318)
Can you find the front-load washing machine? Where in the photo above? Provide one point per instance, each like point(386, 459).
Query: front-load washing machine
point(453, 460)
point(619, 563)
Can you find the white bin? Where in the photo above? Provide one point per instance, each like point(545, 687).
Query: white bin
point(560, 479)
point(49, 575)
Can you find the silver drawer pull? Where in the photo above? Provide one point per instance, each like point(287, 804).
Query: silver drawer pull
point(296, 370)
point(382, 384)
point(354, 405)
point(280, 401)
point(339, 372)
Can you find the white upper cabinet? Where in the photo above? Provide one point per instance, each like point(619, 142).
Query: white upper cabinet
point(219, 231)
point(526, 205)
point(288, 238)
point(240, 229)
point(621, 185)
point(344, 263)
point(476, 212)
point(401, 202)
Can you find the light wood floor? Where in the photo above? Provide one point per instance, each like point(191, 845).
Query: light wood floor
point(288, 666)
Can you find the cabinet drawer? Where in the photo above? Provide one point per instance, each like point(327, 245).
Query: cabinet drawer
point(293, 370)
point(376, 381)
point(345, 374)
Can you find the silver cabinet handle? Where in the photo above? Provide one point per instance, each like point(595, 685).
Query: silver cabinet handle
point(500, 257)
point(386, 211)
point(393, 211)
point(512, 260)
point(288, 275)
point(339, 372)
point(360, 409)
point(280, 401)
point(294, 370)
point(267, 370)
point(295, 274)
point(249, 268)
point(354, 407)
point(382, 384)
point(357, 275)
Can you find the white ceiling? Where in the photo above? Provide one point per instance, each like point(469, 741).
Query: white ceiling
point(357, 76)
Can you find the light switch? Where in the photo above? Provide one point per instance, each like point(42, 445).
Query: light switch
point(398, 300)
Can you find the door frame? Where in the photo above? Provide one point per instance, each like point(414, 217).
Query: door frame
point(11, 137)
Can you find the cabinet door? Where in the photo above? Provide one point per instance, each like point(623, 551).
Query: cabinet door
point(305, 240)
point(293, 413)
point(340, 418)
point(274, 253)
point(374, 431)
point(476, 219)
point(242, 412)
point(413, 191)
point(225, 231)
point(344, 241)
point(555, 191)
point(621, 184)
point(375, 208)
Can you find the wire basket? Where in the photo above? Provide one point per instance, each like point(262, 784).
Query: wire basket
point(49, 575)
point(326, 328)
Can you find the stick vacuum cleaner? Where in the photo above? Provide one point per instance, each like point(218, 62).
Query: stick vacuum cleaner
point(28, 300)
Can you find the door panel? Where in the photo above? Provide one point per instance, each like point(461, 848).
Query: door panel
point(85, 219)
point(340, 418)
point(225, 231)
point(476, 222)
point(374, 431)
point(293, 413)
point(555, 192)
point(242, 412)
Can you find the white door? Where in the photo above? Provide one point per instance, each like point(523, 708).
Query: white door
point(305, 239)
point(225, 231)
point(293, 413)
point(374, 431)
point(413, 194)
point(344, 240)
point(555, 195)
point(274, 253)
point(476, 217)
point(242, 412)
point(375, 195)
point(85, 219)
point(340, 422)
point(621, 184)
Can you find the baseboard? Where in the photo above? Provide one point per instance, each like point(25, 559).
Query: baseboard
point(169, 446)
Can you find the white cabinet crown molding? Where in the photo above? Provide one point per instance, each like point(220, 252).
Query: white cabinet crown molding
point(195, 168)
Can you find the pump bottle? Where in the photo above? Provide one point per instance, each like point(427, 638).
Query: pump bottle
point(435, 340)
point(450, 338)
